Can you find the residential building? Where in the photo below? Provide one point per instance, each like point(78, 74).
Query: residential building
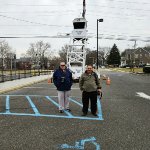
point(135, 57)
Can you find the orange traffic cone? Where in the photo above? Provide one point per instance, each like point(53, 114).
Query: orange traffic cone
point(49, 81)
point(108, 81)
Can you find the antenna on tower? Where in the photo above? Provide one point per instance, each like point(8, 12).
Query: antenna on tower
point(76, 54)
point(84, 9)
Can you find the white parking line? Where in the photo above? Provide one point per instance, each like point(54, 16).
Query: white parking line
point(143, 95)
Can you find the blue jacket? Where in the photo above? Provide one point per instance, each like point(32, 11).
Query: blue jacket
point(62, 79)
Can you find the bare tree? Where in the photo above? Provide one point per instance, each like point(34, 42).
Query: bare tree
point(38, 51)
point(103, 54)
point(4, 50)
point(63, 52)
point(91, 57)
point(54, 62)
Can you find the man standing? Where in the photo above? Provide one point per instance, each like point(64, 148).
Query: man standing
point(89, 85)
point(62, 79)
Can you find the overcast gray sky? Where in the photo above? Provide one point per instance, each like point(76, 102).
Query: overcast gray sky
point(129, 19)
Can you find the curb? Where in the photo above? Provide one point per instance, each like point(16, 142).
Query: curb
point(15, 87)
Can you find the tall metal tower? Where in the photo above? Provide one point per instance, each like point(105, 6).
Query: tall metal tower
point(76, 55)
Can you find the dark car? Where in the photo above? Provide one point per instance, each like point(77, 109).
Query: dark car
point(146, 68)
point(142, 65)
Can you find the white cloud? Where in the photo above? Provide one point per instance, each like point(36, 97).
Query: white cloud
point(49, 17)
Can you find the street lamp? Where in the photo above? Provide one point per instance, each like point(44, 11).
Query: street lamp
point(134, 55)
point(98, 20)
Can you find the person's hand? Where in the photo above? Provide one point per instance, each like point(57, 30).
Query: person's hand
point(81, 89)
point(99, 90)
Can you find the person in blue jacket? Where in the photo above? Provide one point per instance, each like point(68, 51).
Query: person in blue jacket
point(62, 79)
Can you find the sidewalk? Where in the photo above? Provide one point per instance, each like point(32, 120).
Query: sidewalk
point(16, 84)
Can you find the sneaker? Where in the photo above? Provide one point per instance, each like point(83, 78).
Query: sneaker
point(84, 114)
point(61, 111)
point(68, 109)
point(94, 114)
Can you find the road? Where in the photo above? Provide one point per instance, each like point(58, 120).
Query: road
point(29, 117)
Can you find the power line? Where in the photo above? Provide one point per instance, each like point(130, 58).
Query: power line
point(47, 5)
point(118, 16)
point(38, 24)
point(19, 25)
point(141, 17)
point(120, 34)
point(142, 3)
point(33, 12)
point(126, 8)
point(66, 35)
point(22, 20)
point(42, 36)
point(32, 5)
point(50, 12)
point(97, 5)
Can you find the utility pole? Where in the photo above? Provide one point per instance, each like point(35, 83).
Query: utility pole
point(84, 9)
point(134, 55)
point(98, 20)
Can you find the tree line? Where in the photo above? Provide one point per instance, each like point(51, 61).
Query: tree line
point(41, 55)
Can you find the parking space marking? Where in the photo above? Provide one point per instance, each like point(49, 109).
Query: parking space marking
point(7, 104)
point(51, 100)
point(33, 106)
point(75, 102)
point(143, 95)
point(99, 109)
point(81, 144)
point(36, 111)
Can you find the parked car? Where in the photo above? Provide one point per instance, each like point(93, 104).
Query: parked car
point(146, 68)
point(142, 65)
point(126, 66)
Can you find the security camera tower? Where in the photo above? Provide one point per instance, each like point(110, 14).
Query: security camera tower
point(76, 54)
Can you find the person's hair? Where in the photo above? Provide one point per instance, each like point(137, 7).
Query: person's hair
point(62, 62)
point(90, 65)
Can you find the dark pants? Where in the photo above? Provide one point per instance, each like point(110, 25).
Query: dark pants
point(93, 99)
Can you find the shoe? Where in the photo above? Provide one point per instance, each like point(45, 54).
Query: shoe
point(61, 111)
point(84, 114)
point(94, 114)
point(68, 109)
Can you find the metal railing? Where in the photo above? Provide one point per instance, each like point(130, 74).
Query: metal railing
point(9, 75)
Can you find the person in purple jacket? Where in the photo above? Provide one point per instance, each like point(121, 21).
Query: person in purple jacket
point(62, 79)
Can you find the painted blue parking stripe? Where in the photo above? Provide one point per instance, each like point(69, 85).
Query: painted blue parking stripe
point(98, 106)
point(37, 114)
point(28, 95)
point(7, 104)
point(76, 102)
point(51, 100)
point(33, 106)
point(53, 116)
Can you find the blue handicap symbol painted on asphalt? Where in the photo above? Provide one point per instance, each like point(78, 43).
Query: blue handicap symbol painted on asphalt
point(81, 143)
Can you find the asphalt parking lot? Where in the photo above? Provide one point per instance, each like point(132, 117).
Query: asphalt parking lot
point(30, 119)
